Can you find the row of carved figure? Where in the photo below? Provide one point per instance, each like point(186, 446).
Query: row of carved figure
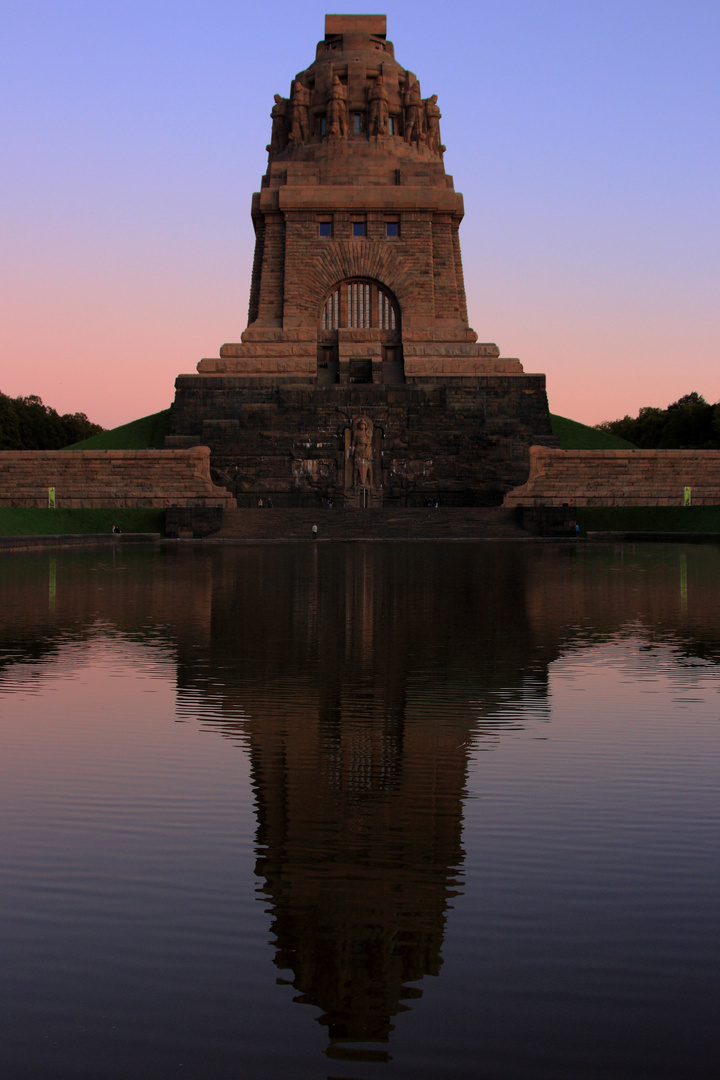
point(420, 116)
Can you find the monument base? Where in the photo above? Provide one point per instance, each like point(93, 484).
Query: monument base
point(458, 442)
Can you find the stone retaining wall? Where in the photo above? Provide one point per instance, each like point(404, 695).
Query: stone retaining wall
point(619, 478)
point(110, 478)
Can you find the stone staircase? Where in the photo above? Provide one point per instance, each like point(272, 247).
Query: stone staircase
point(444, 523)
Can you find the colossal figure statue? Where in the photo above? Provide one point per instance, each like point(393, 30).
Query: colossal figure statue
point(414, 114)
point(358, 313)
point(300, 105)
point(432, 122)
point(278, 138)
point(378, 123)
point(336, 110)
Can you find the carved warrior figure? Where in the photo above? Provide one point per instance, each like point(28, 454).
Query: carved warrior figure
point(378, 108)
point(432, 122)
point(300, 105)
point(414, 114)
point(363, 452)
point(278, 137)
point(336, 110)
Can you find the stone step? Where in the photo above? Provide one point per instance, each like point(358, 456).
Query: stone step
point(351, 524)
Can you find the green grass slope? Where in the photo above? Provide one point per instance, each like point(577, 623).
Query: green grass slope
point(691, 519)
point(144, 434)
point(37, 521)
point(574, 436)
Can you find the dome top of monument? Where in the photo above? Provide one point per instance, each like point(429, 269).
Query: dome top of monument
point(355, 112)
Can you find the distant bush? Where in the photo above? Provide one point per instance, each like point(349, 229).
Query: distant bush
point(689, 423)
point(27, 424)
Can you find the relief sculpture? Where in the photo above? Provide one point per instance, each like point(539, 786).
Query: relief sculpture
point(360, 455)
point(363, 452)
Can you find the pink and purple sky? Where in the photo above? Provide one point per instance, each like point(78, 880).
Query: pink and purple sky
point(583, 135)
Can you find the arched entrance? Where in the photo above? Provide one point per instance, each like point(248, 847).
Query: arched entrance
point(373, 352)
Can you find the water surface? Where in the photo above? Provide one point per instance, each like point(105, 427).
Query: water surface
point(403, 810)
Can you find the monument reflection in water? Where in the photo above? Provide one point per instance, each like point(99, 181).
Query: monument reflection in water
point(362, 681)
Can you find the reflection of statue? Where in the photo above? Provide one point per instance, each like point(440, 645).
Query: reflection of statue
point(378, 108)
point(278, 138)
point(432, 120)
point(336, 113)
point(300, 105)
point(363, 452)
point(414, 114)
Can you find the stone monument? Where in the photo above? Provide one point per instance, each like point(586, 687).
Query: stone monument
point(358, 378)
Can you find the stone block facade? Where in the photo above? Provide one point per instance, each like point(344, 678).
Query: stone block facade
point(619, 478)
point(357, 310)
point(463, 443)
point(110, 478)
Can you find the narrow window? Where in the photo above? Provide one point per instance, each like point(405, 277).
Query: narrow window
point(323, 126)
point(358, 228)
point(392, 229)
point(391, 125)
point(325, 228)
point(331, 311)
point(357, 123)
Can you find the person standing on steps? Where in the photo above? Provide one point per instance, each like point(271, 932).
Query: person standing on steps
point(314, 532)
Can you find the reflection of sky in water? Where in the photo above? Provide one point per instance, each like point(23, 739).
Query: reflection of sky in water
point(479, 832)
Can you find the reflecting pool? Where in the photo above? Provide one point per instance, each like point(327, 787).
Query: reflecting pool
point(408, 810)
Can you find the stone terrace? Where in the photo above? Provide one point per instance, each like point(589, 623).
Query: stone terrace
point(619, 478)
point(110, 478)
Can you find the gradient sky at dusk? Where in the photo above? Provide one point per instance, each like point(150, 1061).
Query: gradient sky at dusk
point(583, 135)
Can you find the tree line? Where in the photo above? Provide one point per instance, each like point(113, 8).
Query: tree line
point(27, 424)
point(690, 423)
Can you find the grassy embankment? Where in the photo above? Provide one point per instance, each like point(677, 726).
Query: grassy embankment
point(146, 433)
point(574, 436)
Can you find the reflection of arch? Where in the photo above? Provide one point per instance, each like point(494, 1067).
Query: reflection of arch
point(360, 304)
